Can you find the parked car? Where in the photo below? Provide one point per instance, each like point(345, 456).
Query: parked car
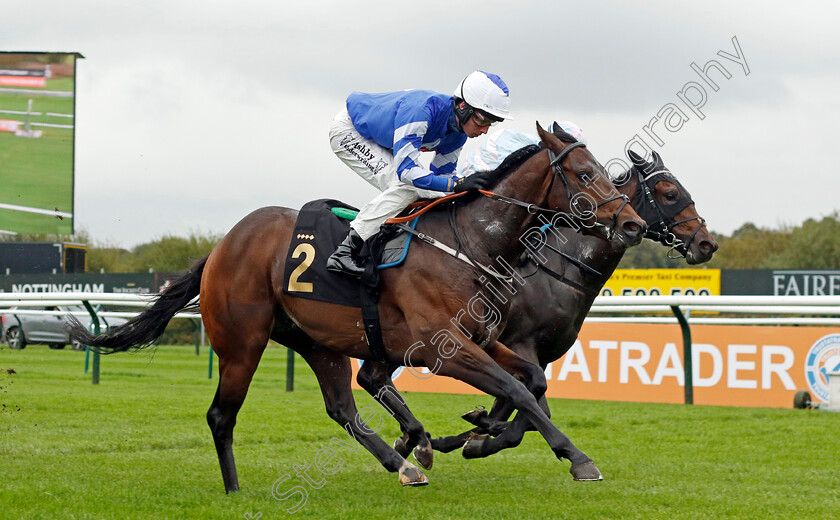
point(20, 330)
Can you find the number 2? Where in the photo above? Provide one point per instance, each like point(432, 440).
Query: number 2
point(308, 251)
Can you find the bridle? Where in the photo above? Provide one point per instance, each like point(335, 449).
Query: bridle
point(556, 164)
point(661, 231)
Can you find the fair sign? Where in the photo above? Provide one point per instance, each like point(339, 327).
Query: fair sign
point(732, 365)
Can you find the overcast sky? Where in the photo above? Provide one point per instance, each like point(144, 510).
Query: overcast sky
point(192, 114)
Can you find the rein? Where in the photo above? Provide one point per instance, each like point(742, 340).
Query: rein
point(425, 206)
point(562, 278)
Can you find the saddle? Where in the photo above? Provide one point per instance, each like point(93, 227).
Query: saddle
point(321, 225)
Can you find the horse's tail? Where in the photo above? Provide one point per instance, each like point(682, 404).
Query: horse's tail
point(144, 329)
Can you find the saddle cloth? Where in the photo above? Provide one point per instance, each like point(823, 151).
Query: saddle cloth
point(317, 233)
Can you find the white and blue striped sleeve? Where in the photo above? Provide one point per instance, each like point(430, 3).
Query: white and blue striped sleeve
point(411, 126)
point(444, 163)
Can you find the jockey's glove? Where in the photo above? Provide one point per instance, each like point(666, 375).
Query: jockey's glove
point(472, 182)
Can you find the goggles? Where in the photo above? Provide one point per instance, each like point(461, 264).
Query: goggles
point(482, 119)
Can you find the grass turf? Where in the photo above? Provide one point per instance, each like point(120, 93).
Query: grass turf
point(137, 446)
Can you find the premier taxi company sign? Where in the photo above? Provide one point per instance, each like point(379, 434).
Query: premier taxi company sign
point(668, 282)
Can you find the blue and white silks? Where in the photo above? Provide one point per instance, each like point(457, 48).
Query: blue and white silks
point(410, 122)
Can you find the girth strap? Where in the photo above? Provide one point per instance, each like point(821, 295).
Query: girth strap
point(369, 296)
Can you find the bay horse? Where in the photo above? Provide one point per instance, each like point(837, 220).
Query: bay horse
point(544, 333)
point(243, 304)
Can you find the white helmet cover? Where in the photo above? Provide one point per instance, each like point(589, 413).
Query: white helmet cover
point(571, 129)
point(486, 92)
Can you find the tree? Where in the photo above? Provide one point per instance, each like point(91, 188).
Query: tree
point(173, 254)
point(751, 247)
point(649, 255)
point(814, 245)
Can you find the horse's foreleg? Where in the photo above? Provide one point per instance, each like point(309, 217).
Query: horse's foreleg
point(475, 367)
point(375, 378)
point(495, 421)
point(512, 434)
point(333, 372)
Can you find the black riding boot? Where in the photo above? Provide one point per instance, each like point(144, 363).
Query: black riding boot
point(344, 258)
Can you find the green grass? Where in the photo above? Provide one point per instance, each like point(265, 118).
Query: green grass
point(37, 172)
point(137, 446)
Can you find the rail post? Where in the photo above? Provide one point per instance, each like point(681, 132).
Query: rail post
point(290, 370)
point(94, 320)
point(686, 334)
point(198, 335)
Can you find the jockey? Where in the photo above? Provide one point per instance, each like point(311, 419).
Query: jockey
point(502, 143)
point(380, 137)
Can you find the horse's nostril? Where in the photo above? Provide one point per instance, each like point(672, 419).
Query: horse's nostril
point(632, 228)
point(708, 247)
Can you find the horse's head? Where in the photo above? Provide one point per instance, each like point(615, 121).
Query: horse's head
point(668, 209)
point(580, 183)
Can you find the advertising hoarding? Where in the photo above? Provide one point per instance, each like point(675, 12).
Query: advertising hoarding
point(754, 366)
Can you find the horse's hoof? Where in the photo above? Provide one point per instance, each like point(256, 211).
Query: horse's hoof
point(401, 447)
point(472, 448)
point(425, 455)
point(473, 416)
point(586, 472)
point(411, 476)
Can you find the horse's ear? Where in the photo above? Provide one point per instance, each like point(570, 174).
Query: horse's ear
point(636, 158)
point(658, 161)
point(544, 136)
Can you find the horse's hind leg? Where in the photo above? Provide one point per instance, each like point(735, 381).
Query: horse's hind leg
point(234, 378)
point(375, 378)
point(239, 349)
point(492, 423)
point(333, 372)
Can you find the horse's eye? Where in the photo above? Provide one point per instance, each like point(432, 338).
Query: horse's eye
point(671, 196)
